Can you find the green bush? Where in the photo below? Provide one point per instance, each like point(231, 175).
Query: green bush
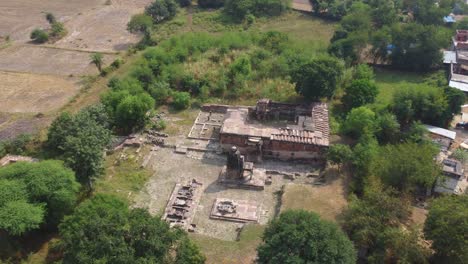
point(117, 63)
point(241, 8)
point(181, 100)
point(161, 10)
point(39, 36)
point(58, 30)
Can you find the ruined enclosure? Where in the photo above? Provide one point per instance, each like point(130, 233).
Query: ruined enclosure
point(171, 168)
point(182, 204)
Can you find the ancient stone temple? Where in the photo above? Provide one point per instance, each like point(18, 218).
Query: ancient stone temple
point(277, 130)
point(241, 211)
point(239, 173)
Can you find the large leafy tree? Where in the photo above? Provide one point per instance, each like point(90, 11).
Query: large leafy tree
point(131, 111)
point(423, 103)
point(407, 166)
point(417, 47)
point(373, 224)
point(32, 194)
point(81, 139)
point(446, 226)
point(104, 230)
point(240, 8)
point(359, 122)
point(161, 10)
point(360, 92)
point(339, 154)
point(318, 78)
point(302, 237)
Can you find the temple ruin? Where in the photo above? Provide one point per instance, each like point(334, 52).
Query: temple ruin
point(269, 129)
point(241, 211)
point(182, 204)
point(239, 173)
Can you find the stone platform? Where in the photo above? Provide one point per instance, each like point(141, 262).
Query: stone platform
point(251, 179)
point(241, 211)
point(181, 207)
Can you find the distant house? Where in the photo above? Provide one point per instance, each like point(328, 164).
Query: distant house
point(457, 59)
point(453, 180)
point(441, 136)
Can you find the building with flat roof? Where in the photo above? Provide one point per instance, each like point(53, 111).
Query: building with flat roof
point(453, 180)
point(277, 130)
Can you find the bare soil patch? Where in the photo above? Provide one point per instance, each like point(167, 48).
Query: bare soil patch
point(19, 17)
point(15, 126)
point(42, 60)
point(103, 28)
point(24, 92)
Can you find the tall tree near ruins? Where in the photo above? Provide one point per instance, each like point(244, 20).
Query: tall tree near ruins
point(302, 237)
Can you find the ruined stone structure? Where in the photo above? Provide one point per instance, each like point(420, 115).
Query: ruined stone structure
point(277, 130)
point(239, 173)
point(181, 206)
point(241, 211)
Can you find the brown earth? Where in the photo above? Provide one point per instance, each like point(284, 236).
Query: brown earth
point(24, 92)
point(39, 78)
point(43, 60)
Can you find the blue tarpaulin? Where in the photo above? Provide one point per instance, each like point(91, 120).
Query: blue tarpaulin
point(449, 19)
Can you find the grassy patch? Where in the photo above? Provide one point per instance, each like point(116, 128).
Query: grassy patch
point(309, 30)
point(327, 200)
point(242, 251)
point(389, 82)
point(124, 177)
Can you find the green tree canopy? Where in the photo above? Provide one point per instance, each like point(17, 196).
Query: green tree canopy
point(104, 230)
point(373, 224)
point(339, 154)
point(417, 47)
point(32, 194)
point(424, 103)
point(302, 237)
point(318, 78)
point(161, 10)
point(446, 226)
point(407, 166)
point(360, 92)
point(140, 23)
point(240, 8)
point(81, 139)
point(211, 3)
point(360, 121)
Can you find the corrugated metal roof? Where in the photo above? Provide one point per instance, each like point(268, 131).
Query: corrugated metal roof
point(459, 85)
point(441, 131)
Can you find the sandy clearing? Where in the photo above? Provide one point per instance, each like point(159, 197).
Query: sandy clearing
point(37, 59)
point(23, 92)
point(19, 17)
point(103, 29)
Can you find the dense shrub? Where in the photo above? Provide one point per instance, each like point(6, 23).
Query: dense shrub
point(58, 30)
point(161, 10)
point(39, 36)
point(180, 100)
point(240, 8)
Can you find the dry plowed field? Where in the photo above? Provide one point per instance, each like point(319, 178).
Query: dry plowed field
point(37, 59)
point(42, 78)
point(34, 93)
